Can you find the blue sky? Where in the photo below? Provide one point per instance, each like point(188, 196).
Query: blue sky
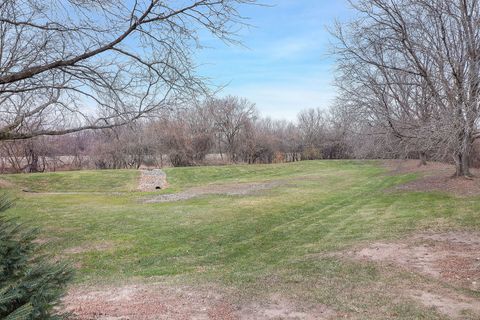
point(285, 65)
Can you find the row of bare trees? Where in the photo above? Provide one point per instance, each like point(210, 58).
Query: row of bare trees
point(216, 131)
point(409, 78)
point(45, 153)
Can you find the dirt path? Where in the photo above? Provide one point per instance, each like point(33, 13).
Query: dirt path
point(226, 189)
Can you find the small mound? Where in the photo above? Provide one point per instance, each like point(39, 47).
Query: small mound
point(152, 180)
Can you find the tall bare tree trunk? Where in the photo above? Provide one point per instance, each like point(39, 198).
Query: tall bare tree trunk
point(462, 156)
point(423, 159)
point(461, 165)
point(32, 161)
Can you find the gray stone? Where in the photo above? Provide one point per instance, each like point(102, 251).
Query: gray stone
point(152, 179)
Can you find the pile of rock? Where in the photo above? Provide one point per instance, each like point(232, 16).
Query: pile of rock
point(152, 179)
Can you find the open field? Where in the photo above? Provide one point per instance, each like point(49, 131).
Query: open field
point(306, 240)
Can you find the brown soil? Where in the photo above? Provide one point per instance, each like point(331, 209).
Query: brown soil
point(226, 189)
point(412, 166)
point(451, 304)
point(158, 301)
point(277, 307)
point(452, 257)
point(435, 176)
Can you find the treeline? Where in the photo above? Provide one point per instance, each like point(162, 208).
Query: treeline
point(217, 131)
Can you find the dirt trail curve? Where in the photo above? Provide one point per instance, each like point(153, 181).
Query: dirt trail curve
point(233, 189)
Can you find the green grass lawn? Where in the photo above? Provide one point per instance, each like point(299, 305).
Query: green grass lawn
point(274, 239)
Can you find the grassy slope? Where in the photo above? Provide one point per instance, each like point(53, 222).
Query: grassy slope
point(272, 239)
point(76, 181)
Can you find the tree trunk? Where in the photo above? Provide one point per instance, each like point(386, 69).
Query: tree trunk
point(461, 165)
point(33, 165)
point(423, 159)
point(462, 157)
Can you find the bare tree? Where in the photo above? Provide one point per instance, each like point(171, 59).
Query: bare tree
point(70, 65)
point(311, 124)
point(417, 63)
point(259, 141)
point(186, 136)
point(232, 115)
point(128, 146)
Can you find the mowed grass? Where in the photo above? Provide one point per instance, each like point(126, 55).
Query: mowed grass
point(76, 181)
point(271, 240)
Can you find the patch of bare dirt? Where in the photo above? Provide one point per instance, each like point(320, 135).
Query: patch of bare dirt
point(452, 257)
point(226, 189)
point(279, 308)
point(456, 186)
point(412, 166)
point(157, 301)
point(435, 176)
point(452, 305)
